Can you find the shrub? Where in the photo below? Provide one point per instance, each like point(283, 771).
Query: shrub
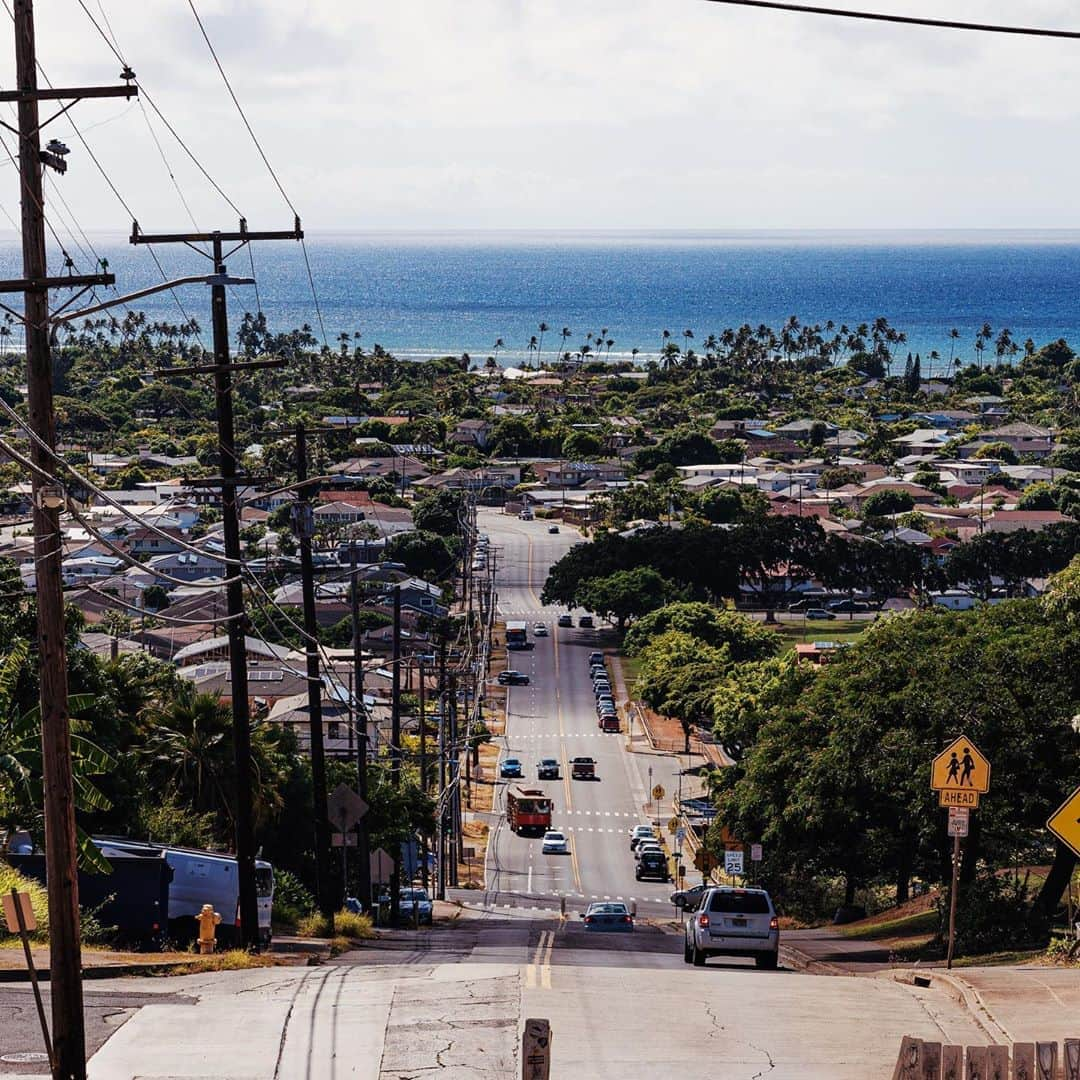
point(292, 901)
point(992, 915)
point(347, 924)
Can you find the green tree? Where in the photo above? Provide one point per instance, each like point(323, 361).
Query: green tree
point(624, 595)
point(424, 554)
point(745, 639)
point(440, 513)
point(582, 444)
point(999, 451)
point(882, 503)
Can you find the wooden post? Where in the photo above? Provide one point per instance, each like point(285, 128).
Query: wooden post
point(1072, 1059)
point(952, 1063)
point(17, 901)
point(1046, 1061)
point(1023, 1061)
point(997, 1064)
point(930, 1066)
point(977, 1068)
point(952, 900)
point(907, 1062)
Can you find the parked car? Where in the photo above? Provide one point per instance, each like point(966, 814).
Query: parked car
point(513, 678)
point(582, 768)
point(688, 899)
point(510, 769)
point(652, 864)
point(608, 916)
point(733, 922)
point(565, 620)
point(807, 602)
point(843, 606)
point(609, 723)
point(555, 843)
point(819, 613)
point(586, 622)
point(648, 844)
point(639, 833)
point(553, 528)
point(596, 658)
point(409, 898)
point(540, 629)
point(548, 769)
point(526, 515)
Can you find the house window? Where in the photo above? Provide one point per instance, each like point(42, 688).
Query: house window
point(333, 730)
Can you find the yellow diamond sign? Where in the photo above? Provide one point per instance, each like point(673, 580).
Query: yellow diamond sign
point(959, 772)
point(1065, 823)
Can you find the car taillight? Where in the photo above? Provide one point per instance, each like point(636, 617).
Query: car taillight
point(774, 923)
point(588, 918)
point(703, 921)
point(626, 918)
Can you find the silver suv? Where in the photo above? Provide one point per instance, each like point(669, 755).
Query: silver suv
point(733, 922)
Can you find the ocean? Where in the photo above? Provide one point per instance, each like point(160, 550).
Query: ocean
point(421, 295)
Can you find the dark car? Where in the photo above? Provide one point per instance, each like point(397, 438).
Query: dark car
point(596, 658)
point(553, 528)
point(513, 678)
point(610, 916)
point(688, 899)
point(565, 620)
point(807, 602)
point(652, 864)
point(586, 621)
point(849, 605)
point(511, 769)
point(548, 769)
point(582, 768)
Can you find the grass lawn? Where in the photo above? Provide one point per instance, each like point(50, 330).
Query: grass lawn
point(794, 633)
point(631, 672)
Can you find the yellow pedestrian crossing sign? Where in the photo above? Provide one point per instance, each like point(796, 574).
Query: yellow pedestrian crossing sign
point(1065, 822)
point(960, 774)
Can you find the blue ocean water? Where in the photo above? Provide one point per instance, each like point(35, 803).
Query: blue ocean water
point(434, 294)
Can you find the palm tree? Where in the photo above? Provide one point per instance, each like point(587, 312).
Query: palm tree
point(496, 347)
point(664, 336)
point(543, 328)
point(564, 334)
point(189, 748)
point(533, 346)
point(634, 354)
point(688, 336)
point(954, 337)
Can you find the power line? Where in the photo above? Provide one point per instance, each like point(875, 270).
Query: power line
point(906, 20)
point(266, 162)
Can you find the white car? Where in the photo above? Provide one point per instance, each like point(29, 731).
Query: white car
point(647, 845)
point(733, 922)
point(555, 843)
point(639, 833)
point(540, 629)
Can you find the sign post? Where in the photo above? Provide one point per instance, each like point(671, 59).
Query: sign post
point(344, 808)
point(960, 775)
point(658, 793)
point(20, 919)
point(756, 856)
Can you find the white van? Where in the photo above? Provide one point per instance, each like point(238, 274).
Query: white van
point(526, 514)
point(203, 877)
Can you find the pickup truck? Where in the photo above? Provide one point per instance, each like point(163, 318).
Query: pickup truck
point(583, 768)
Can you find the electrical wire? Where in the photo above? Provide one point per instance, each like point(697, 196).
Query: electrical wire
point(175, 619)
point(266, 162)
point(905, 20)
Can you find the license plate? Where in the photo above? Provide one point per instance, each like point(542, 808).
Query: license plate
point(738, 922)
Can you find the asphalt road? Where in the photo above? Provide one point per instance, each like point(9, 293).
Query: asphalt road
point(555, 716)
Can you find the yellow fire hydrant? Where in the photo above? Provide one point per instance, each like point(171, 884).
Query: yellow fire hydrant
point(208, 922)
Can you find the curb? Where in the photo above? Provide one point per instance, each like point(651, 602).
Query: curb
point(800, 961)
point(100, 971)
point(964, 994)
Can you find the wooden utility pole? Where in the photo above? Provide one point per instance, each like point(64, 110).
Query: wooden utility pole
point(363, 844)
point(61, 853)
point(395, 746)
point(304, 529)
point(228, 481)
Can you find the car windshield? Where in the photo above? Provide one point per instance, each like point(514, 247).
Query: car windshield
point(740, 903)
point(414, 894)
point(549, 761)
point(554, 836)
point(511, 761)
point(607, 909)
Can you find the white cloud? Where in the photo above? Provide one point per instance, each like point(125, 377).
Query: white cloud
point(563, 113)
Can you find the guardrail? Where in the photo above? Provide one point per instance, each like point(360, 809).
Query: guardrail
point(920, 1060)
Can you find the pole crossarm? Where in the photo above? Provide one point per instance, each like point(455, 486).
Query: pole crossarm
point(204, 279)
point(43, 284)
point(66, 93)
point(242, 236)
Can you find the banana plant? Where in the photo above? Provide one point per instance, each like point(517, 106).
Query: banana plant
point(21, 759)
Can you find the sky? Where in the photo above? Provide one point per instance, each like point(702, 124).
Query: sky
point(568, 114)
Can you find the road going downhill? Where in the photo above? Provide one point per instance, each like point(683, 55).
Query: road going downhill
point(555, 716)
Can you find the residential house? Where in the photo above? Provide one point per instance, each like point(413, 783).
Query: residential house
point(1008, 521)
point(1026, 439)
point(471, 433)
point(563, 474)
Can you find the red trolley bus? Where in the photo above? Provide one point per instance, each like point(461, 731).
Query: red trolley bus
point(528, 810)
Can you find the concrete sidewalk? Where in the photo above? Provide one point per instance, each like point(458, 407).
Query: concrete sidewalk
point(339, 1020)
point(1015, 1003)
